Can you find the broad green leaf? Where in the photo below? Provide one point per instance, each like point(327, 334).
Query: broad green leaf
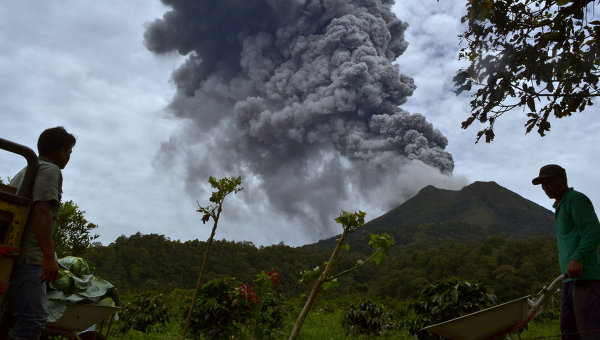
point(381, 241)
point(378, 258)
point(331, 284)
point(455, 296)
point(262, 276)
point(56, 309)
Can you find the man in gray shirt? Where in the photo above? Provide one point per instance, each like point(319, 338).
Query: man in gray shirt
point(24, 310)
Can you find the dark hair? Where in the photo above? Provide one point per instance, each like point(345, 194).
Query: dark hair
point(54, 139)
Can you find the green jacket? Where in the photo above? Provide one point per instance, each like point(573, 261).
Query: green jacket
point(578, 234)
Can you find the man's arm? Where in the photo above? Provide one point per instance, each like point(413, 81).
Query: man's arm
point(41, 222)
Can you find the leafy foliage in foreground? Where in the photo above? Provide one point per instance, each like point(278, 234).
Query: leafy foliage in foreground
point(366, 317)
point(227, 307)
point(220, 306)
point(143, 311)
point(446, 300)
point(529, 52)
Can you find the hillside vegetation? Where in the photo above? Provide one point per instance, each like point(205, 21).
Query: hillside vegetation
point(475, 213)
point(483, 232)
point(512, 268)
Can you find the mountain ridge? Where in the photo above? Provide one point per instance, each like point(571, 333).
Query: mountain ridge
point(475, 212)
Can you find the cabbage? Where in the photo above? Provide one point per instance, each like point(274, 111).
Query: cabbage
point(64, 282)
point(75, 265)
point(77, 284)
point(106, 302)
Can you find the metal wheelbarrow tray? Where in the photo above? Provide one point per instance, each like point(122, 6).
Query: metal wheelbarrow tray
point(80, 317)
point(491, 322)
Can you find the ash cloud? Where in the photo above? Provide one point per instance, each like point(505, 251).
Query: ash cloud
point(300, 97)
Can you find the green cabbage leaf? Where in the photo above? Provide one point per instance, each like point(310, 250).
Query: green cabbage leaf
point(77, 284)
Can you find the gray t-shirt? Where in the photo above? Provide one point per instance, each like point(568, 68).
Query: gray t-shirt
point(47, 187)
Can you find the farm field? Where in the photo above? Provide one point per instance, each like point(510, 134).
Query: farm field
point(325, 322)
point(328, 326)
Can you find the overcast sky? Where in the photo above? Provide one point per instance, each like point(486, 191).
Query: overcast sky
point(84, 65)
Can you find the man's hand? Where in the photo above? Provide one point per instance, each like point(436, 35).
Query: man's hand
point(49, 269)
point(575, 269)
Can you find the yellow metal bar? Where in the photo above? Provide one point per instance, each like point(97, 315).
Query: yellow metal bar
point(14, 212)
point(15, 205)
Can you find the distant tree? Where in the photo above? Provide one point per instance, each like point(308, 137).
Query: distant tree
point(73, 232)
point(538, 55)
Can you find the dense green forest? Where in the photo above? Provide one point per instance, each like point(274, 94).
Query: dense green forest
point(512, 268)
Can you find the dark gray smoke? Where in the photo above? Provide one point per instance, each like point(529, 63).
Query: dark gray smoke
point(299, 96)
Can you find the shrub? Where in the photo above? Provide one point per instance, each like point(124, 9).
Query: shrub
point(143, 311)
point(266, 319)
point(446, 300)
point(227, 307)
point(221, 302)
point(366, 317)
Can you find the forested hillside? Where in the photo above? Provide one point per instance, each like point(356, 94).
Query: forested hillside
point(483, 232)
point(142, 262)
point(474, 213)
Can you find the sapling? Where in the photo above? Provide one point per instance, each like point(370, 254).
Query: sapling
point(350, 222)
point(224, 187)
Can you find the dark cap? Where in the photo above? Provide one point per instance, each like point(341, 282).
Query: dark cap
point(550, 171)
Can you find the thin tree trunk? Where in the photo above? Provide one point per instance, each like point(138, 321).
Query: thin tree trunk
point(313, 294)
point(208, 244)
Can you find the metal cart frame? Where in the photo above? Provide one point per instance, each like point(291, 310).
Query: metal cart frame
point(14, 212)
point(77, 320)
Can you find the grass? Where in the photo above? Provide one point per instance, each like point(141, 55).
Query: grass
point(326, 325)
point(321, 324)
point(324, 322)
point(542, 330)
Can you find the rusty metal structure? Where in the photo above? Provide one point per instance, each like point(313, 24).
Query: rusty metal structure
point(15, 205)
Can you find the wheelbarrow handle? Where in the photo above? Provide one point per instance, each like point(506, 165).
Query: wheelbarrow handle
point(26, 189)
point(550, 290)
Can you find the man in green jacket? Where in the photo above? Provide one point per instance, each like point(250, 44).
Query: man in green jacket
point(578, 238)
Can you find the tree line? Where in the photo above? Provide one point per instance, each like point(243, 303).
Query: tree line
point(512, 268)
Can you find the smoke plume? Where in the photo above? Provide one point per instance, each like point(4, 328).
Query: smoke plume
point(299, 97)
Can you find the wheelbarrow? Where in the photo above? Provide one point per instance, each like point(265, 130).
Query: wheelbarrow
point(77, 319)
point(497, 322)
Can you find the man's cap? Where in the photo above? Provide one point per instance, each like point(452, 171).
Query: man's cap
point(549, 171)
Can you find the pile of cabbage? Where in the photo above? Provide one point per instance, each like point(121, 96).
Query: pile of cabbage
point(77, 284)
